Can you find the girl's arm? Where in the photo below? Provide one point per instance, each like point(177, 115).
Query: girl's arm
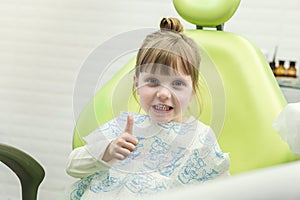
point(100, 152)
point(82, 163)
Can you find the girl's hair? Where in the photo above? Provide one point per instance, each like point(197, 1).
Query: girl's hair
point(169, 47)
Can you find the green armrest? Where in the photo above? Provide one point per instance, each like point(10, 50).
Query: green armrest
point(28, 170)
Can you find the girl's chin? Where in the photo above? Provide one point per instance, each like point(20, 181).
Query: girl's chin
point(162, 118)
point(159, 118)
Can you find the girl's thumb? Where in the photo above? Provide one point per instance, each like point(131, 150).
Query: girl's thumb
point(129, 124)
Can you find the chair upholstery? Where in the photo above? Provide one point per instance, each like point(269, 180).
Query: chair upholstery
point(28, 170)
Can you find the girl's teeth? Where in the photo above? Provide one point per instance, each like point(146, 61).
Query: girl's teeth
point(162, 107)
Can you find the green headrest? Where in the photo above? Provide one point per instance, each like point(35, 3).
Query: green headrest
point(208, 13)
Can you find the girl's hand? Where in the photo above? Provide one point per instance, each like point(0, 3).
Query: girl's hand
point(122, 146)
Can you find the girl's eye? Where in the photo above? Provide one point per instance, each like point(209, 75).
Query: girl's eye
point(178, 83)
point(152, 81)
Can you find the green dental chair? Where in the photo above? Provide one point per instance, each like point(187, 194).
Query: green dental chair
point(240, 95)
point(28, 170)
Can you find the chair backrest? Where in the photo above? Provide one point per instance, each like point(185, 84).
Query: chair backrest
point(241, 99)
point(28, 170)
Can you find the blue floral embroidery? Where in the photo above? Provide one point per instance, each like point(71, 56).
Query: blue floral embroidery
point(159, 156)
point(139, 119)
point(81, 187)
point(195, 170)
point(144, 183)
point(218, 152)
point(159, 146)
point(170, 166)
point(171, 127)
point(102, 181)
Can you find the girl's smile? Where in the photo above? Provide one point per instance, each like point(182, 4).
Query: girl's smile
point(164, 97)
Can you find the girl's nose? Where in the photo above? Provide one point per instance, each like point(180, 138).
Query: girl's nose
point(163, 93)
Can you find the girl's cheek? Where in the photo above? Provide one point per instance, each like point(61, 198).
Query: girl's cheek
point(183, 96)
point(146, 94)
point(142, 90)
point(180, 94)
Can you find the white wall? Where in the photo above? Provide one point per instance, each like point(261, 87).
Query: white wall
point(268, 24)
point(43, 45)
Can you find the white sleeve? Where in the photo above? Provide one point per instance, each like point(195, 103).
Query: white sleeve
point(81, 163)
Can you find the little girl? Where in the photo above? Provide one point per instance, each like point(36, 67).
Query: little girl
point(138, 155)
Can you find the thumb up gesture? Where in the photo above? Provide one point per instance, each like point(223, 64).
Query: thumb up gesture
point(122, 146)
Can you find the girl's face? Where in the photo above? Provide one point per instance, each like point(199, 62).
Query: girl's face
point(164, 97)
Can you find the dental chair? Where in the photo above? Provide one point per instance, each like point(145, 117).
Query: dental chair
point(28, 170)
point(240, 95)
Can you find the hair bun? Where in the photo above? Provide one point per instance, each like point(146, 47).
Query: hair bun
point(172, 24)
